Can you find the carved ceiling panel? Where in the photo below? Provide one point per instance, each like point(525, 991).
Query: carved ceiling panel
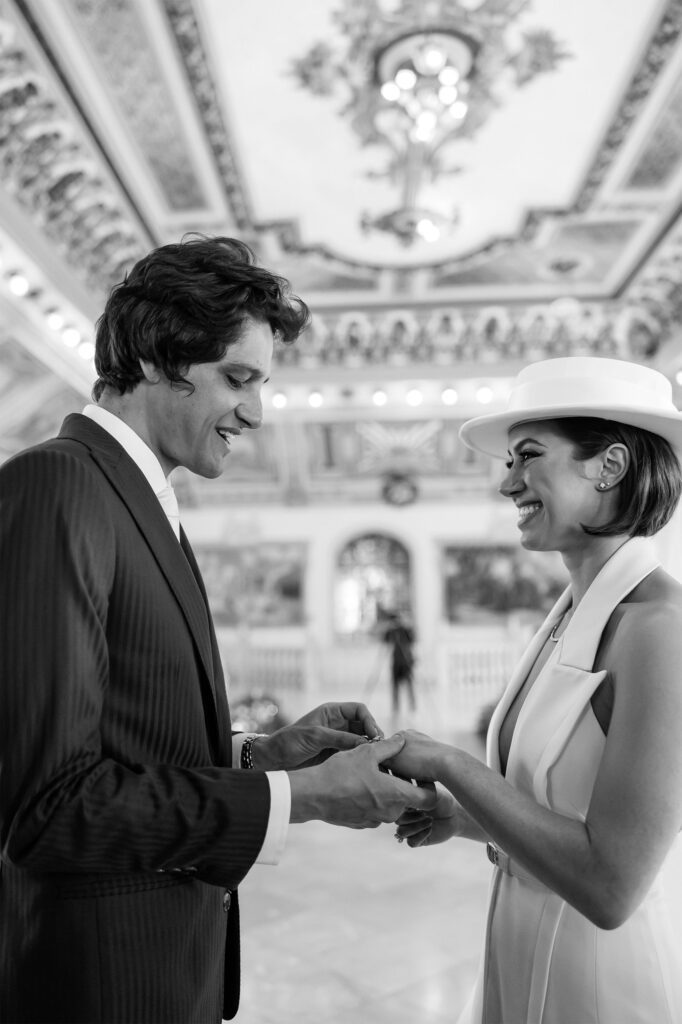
point(125, 123)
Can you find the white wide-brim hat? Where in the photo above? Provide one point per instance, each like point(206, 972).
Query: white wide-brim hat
point(609, 389)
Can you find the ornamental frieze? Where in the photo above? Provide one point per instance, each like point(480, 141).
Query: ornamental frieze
point(47, 165)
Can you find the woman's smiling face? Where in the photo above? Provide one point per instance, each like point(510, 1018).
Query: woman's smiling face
point(553, 491)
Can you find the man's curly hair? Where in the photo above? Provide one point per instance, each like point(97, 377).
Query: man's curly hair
point(186, 303)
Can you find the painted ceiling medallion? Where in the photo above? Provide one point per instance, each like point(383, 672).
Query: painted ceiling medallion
point(419, 77)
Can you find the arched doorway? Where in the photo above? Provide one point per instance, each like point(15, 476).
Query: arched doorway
point(373, 575)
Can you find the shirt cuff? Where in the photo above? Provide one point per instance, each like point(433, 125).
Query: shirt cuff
point(278, 822)
point(280, 806)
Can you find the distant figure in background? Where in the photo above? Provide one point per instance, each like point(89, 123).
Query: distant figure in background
point(400, 637)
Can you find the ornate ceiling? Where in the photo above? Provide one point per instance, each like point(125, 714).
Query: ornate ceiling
point(125, 123)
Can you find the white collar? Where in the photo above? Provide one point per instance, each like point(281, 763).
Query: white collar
point(140, 452)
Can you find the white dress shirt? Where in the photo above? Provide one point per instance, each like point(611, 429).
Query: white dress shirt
point(149, 465)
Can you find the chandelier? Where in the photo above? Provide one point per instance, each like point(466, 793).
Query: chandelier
point(423, 79)
point(419, 75)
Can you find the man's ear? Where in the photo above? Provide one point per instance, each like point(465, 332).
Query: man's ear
point(152, 374)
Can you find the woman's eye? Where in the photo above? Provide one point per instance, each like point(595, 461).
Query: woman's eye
point(234, 383)
point(522, 456)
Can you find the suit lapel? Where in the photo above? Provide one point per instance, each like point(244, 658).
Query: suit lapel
point(130, 484)
point(220, 693)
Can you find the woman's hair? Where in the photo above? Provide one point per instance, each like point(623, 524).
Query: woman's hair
point(185, 303)
point(649, 491)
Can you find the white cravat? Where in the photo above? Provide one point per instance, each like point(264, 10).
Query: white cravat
point(169, 504)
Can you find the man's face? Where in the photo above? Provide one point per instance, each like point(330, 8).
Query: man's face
point(195, 429)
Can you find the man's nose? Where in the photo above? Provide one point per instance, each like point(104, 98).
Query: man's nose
point(250, 412)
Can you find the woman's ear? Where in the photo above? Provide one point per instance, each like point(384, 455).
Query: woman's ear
point(615, 461)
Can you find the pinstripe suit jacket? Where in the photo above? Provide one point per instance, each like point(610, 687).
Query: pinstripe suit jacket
point(122, 825)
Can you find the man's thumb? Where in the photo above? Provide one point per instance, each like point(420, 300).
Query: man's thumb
point(386, 749)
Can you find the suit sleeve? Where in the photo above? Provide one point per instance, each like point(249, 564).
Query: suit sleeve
point(64, 805)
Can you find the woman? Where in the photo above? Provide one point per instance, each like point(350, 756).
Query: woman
point(581, 801)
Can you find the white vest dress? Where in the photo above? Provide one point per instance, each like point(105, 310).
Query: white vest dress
point(545, 963)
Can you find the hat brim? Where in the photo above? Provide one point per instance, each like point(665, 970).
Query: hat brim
point(489, 434)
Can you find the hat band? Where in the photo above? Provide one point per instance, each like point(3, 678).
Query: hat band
point(582, 392)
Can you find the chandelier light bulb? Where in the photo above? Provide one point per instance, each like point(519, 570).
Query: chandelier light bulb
point(279, 400)
point(449, 75)
point(405, 78)
point(484, 395)
point(86, 350)
point(71, 337)
point(390, 91)
point(315, 399)
point(427, 230)
point(414, 397)
point(426, 125)
point(55, 320)
point(433, 59)
point(18, 284)
point(458, 110)
point(447, 94)
point(449, 396)
point(678, 377)
point(380, 397)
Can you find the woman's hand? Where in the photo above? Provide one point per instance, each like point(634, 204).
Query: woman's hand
point(421, 828)
point(419, 757)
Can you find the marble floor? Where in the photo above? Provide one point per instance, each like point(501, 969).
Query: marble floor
point(352, 926)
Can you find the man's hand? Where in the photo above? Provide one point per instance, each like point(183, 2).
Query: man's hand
point(315, 736)
point(350, 789)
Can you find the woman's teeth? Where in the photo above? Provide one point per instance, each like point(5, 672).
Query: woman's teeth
point(528, 510)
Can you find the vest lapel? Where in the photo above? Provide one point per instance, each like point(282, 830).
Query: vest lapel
point(568, 679)
point(518, 678)
point(626, 567)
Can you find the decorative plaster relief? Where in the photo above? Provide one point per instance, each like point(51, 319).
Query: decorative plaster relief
point(373, 448)
point(447, 336)
point(184, 25)
point(48, 167)
point(116, 37)
point(661, 152)
point(654, 61)
point(596, 244)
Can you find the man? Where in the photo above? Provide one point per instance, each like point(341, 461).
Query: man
point(400, 638)
point(127, 820)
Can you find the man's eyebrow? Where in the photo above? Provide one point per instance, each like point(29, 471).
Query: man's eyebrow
point(254, 372)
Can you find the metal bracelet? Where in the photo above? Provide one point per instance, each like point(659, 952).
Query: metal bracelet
point(247, 754)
